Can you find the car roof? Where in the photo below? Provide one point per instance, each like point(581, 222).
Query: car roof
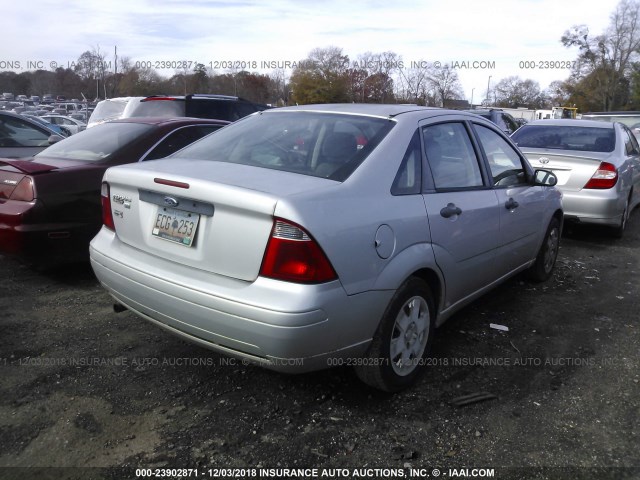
point(474, 110)
point(572, 122)
point(374, 109)
point(168, 120)
point(622, 112)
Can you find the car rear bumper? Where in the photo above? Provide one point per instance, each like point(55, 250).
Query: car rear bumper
point(603, 207)
point(26, 231)
point(282, 326)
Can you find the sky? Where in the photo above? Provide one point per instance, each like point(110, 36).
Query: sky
point(487, 39)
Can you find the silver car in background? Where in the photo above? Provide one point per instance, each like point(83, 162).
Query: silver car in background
point(597, 165)
point(307, 237)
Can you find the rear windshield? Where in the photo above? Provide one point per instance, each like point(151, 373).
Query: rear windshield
point(157, 108)
point(107, 110)
point(318, 144)
point(587, 139)
point(97, 143)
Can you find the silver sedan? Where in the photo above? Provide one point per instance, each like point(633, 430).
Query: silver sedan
point(308, 237)
point(597, 165)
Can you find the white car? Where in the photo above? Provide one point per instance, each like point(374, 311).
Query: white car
point(73, 125)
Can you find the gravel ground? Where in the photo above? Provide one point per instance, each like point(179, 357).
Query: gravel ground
point(88, 393)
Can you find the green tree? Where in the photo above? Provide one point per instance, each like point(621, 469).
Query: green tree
point(322, 77)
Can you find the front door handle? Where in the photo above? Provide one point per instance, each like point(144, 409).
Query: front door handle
point(450, 210)
point(511, 204)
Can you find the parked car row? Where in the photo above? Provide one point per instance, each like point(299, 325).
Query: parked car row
point(596, 160)
point(64, 119)
point(50, 205)
point(597, 165)
point(305, 237)
point(46, 98)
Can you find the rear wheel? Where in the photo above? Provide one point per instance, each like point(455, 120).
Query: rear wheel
point(545, 261)
point(396, 356)
point(618, 232)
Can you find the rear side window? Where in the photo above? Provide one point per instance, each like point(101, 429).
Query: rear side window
point(159, 108)
point(451, 156)
point(408, 178)
point(318, 144)
point(215, 109)
point(630, 143)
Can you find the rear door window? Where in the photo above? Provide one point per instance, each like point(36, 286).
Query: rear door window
point(451, 156)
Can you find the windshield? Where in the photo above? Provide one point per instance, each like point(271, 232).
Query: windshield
point(318, 144)
point(97, 143)
point(589, 139)
point(108, 110)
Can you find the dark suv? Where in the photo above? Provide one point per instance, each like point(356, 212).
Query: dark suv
point(505, 121)
point(219, 107)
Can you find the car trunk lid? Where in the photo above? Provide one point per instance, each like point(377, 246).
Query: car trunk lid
point(12, 172)
point(573, 169)
point(219, 222)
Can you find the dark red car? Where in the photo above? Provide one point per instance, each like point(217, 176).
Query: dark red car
point(50, 205)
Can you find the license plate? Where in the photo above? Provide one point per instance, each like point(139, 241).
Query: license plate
point(175, 225)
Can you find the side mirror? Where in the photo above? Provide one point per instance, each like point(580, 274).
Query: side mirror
point(545, 178)
point(54, 139)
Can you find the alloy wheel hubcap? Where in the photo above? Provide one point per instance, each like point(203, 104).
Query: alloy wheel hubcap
point(409, 336)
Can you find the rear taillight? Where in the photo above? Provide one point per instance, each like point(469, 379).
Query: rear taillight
point(293, 256)
point(605, 177)
point(107, 215)
point(23, 191)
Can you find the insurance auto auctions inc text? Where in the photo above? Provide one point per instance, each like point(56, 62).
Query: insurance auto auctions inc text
point(368, 473)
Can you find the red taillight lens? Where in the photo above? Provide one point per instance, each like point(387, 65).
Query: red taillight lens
point(293, 256)
point(605, 177)
point(23, 191)
point(107, 215)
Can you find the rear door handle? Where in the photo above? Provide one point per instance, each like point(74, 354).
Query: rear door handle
point(511, 204)
point(450, 210)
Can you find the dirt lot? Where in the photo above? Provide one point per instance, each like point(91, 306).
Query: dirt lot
point(84, 387)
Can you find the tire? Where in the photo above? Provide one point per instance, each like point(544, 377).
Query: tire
point(618, 232)
point(405, 333)
point(542, 268)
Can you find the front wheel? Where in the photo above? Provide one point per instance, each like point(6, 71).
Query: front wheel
point(396, 355)
point(545, 261)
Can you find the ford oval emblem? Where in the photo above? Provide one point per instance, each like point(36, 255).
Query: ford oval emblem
point(543, 160)
point(171, 202)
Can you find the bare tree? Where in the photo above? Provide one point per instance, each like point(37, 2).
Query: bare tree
point(515, 92)
point(445, 83)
